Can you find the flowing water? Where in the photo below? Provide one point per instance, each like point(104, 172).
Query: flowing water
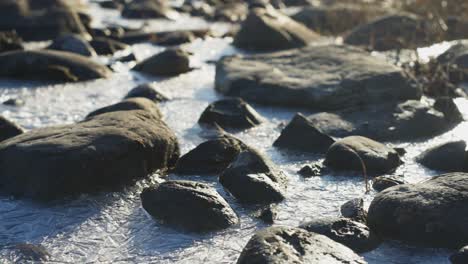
point(114, 228)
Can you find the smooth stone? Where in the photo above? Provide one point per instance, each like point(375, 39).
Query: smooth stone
point(74, 44)
point(352, 234)
point(354, 209)
point(431, 213)
point(107, 46)
point(9, 129)
point(14, 102)
point(277, 245)
point(50, 65)
point(231, 113)
point(449, 156)
point(331, 77)
point(141, 9)
point(210, 157)
point(189, 205)
point(301, 134)
point(268, 29)
point(148, 91)
point(252, 178)
point(137, 103)
point(268, 214)
point(384, 182)
point(163, 37)
point(354, 152)
point(170, 62)
point(311, 170)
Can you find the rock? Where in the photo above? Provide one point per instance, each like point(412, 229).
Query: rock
point(352, 234)
point(109, 4)
point(106, 46)
point(456, 57)
point(9, 129)
point(174, 38)
point(268, 214)
point(253, 179)
point(354, 209)
point(404, 121)
point(14, 102)
point(231, 113)
point(399, 31)
point(9, 41)
point(320, 77)
point(230, 11)
point(457, 28)
point(141, 9)
point(147, 91)
point(384, 182)
point(13, 9)
point(210, 157)
point(277, 245)
point(301, 134)
point(74, 44)
point(449, 156)
point(137, 103)
point(336, 19)
point(50, 66)
point(27, 253)
point(432, 213)
point(170, 62)
point(460, 257)
point(188, 205)
point(354, 152)
point(311, 170)
point(104, 152)
point(267, 29)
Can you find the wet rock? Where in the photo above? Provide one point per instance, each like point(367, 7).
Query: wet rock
point(27, 253)
point(128, 58)
point(352, 234)
point(9, 41)
point(147, 91)
point(267, 29)
point(400, 31)
point(404, 121)
point(109, 4)
point(301, 134)
point(14, 102)
point(384, 182)
point(460, 257)
point(295, 245)
point(456, 57)
point(321, 77)
point(253, 178)
point(354, 152)
point(311, 170)
point(50, 66)
point(8, 129)
point(74, 44)
point(354, 209)
point(137, 103)
point(210, 157)
point(141, 9)
point(104, 152)
point(106, 46)
point(174, 38)
point(432, 213)
point(231, 113)
point(336, 19)
point(449, 156)
point(188, 205)
point(170, 62)
point(457, 28)
point(268, 214)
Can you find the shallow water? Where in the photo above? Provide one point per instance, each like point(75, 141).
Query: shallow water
point(114, 228)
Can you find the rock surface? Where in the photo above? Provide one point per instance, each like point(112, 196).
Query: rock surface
point(268, 29)
point(189, 205)
point(384, 182)
point(450, 157)
point(347, 154)
point(137, 103)
point(170, 62)
point(106, 46)
point(8, 129)
point(354, 209)
point(74, 44)
point(50, 66)
point(141, 9)
point(457, 57)
point(276, 245)
point(320, 77)
point(147, 91)
point(9, 41)
point(431, 213)
point(231, 113)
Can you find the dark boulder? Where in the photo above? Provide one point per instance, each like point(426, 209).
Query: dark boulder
point(9, 41)
point(456, 60)
point(449, 157)
point(8, 129)
point(104, 152)
point(170, 62)
point(141, 9)
point(400, 31)
point(301, 134)
point(231, 113)
point(137, 103)
point(311, 170)
point(107, 46)
point(14, 102)
point(384, 182)
point(277, 245)
point(354, 209)
point(352, 234)
point(267, 29)
point(354, 152)
point(253, 178)
point(50, 65)
point(74, 44)
point(189, 205)
point(168, 38)
point(460, 257)
point(320, 77)
point(268, 214)
point(210, 157)
point(432, 213)
point(147, 91)
point(174, 38)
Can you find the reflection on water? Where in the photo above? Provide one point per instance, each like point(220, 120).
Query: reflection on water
point(113, 228)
